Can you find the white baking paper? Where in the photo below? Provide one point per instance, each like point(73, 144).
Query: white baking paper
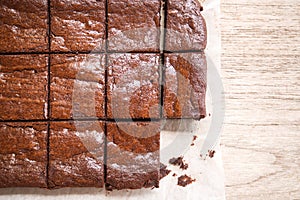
point(208, 172)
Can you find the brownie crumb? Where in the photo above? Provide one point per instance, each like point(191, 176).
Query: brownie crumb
point(201, 8)
point(163, 171)
point(176, 161)
point(194, 138)
point(179, 162)
point(184, 166)
point(211, 153)
point(174, 174)
point(185, 180)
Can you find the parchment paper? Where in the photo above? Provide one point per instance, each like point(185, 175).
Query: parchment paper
point(208, 172)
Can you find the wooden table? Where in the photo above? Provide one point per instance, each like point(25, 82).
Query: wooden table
point(261, 75)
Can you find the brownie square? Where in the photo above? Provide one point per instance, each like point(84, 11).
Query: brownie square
point(77, 86)
point(133, 25)
point(186, 28)
point(185, 85)
point(77, 25)
point(23, 26)
point(132, 155)
point(76, 154)
point(23, 87)
point(23, 154)
point(133, 86)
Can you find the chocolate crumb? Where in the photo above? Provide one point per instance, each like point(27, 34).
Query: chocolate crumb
point(163, 171)
point(184, 166)
point(179, 162)
point(195, 137)
point(174, 174)
point(176, 161)
point(211, 153)
point(201, 8)
point(185, 180)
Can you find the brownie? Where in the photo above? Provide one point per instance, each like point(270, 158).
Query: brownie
point(133, 25)
point(77, 25)
point(23, 87)
point(185, 85)
point(133, 86)
point(186, 28)
point(185, 180)
point(23, 154)
point(23, 26)
point(76, 154)
point(77, 86)
point(132, 155)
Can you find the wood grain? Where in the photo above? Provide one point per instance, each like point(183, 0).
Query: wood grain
point(261, 75)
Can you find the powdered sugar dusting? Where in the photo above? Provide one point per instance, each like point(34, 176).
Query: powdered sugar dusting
point(94, 134)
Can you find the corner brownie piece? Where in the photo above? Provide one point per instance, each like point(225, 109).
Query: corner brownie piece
point(133, 25)
point(77, 86)
point(23, 154)
point(23, 26)
point(23, 87)
point(186, 28)
point(133, 86)
point(77, 25)
point(132, 155)
point(76, 154)
point(185, 87)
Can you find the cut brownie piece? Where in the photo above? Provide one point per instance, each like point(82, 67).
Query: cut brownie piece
point(23, 154)
point(186, 28)
point(23, 87)
point(133, 86)
point(76, 154)
point(77, 86)
point(77, 25)
point(133, 25)
point(133, 155)
point(23, 26)
point(185, 86)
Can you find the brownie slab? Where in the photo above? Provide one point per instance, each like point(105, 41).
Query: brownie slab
point(77, 86)
point(76, 154)
point(23, 154)
point(77, 25)
point(23, 87)
point(132, 155)
point(133, 25)
point(185, 85)
point(133, 86)
point(23, 26)
point(186, 28)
